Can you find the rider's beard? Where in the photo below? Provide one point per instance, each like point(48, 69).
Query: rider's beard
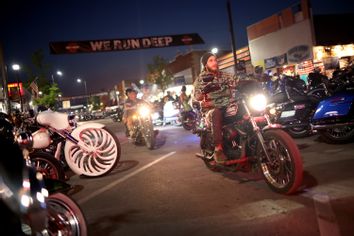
point(212, 70)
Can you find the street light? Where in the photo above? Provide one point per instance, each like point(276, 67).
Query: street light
point(79, 80)
point(214, 50)
point(141, 81)
point(16, 68)
point(59, 73)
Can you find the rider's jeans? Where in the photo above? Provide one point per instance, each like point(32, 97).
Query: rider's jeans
point(217, 115)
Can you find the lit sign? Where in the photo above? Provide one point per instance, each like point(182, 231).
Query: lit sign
point(13, 89)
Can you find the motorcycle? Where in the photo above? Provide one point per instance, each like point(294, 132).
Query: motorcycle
point(90, 149)
point(118, 115)
point(251, 140)
point(44, 162)
point(332, 116)
point(293, 106)
point(32, 204)
point(143, 128)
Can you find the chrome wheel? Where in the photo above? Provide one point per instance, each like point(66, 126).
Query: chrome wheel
point(103, 154)
point(65, 217)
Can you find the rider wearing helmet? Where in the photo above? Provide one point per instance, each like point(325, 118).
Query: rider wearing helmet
point(214, 89)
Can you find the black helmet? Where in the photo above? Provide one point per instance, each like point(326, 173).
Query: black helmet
point(129, 90)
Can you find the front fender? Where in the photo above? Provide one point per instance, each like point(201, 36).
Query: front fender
point(79, 128)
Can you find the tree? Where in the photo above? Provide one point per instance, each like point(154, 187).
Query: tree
point(39, 71)
point(50, 98)
point(158, 74)
point(95, 102)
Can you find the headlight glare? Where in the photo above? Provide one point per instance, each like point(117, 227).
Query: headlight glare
point(258, 102)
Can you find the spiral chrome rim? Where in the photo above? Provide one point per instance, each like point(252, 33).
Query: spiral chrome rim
point(102, 155)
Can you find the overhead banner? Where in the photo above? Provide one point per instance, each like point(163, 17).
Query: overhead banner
point(72, 47)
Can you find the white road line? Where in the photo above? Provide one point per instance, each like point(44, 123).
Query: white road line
point(118, 181)
point(326, 218)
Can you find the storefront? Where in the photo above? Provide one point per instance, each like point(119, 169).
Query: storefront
point(330, 58)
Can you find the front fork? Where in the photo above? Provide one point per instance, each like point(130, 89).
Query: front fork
point(257, 130)
point(67, 136)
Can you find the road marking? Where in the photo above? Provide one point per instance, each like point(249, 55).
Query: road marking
point(118, 181)
point(326, 218)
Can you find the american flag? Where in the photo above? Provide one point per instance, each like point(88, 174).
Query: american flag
point(306, 67)
point(34, 88)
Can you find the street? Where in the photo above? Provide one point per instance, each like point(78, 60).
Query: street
point(169, 191)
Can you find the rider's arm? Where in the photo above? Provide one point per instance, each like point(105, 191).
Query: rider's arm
point(198, 95)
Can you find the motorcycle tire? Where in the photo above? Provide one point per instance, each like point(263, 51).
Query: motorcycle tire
point(99, 163)
point(188, 121)
point(65, 216)
point(300, 132)
point(338, 135)
point(148, 133)
point(284, 144)
point(47, 165)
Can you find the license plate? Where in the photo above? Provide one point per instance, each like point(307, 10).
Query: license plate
point(287, 114)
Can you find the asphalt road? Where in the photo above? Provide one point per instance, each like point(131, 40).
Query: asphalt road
point(169, 191)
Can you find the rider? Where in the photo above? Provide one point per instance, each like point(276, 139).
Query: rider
point(130, 106)
point(214, 89)
point(183, 99)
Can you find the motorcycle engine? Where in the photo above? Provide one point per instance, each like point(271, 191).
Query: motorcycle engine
point(230, 133)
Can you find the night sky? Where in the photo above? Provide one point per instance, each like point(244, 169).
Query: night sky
point(30, 25)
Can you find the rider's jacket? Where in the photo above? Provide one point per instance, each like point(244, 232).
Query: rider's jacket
point(130, 106)
point(215, 89)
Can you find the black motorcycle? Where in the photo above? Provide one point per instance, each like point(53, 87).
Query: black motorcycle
point(143, 128)
point(294, 104)
point(117, 116)
point(251, 140)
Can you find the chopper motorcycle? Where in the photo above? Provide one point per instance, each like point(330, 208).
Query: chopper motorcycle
point(90, 149)
point(251, 140)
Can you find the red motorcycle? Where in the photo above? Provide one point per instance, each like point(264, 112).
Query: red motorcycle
point(251, 140)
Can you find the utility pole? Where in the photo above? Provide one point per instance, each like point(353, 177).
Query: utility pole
point(4, 80)
point(233, 44)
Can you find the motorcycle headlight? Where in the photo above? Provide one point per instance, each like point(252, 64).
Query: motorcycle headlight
point(144, 111)
point(258, 102)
